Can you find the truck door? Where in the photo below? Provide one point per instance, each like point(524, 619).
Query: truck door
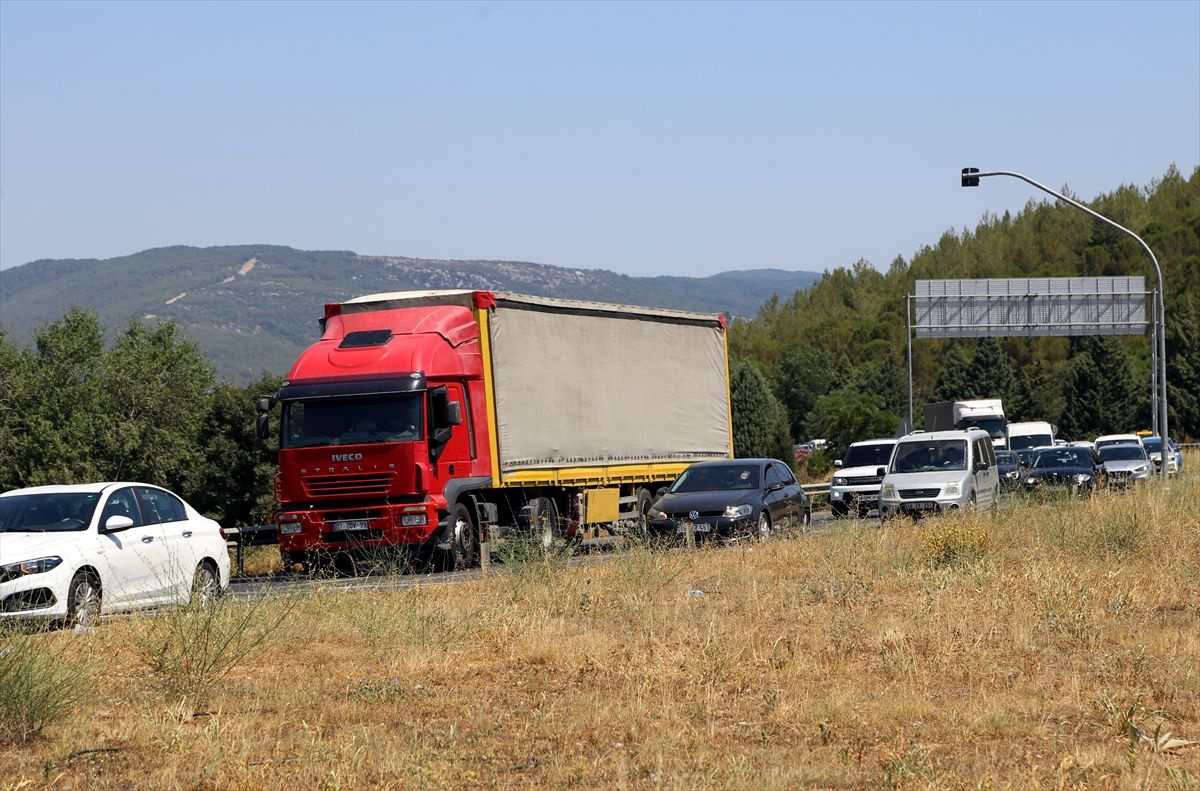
point(451, 440)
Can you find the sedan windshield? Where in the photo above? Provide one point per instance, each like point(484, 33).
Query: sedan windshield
point(1060, 458)
point(716, 478)
point(1121, 453)
point(47, 513)
point(351, 421)
point(876, 455)
point(929, 455)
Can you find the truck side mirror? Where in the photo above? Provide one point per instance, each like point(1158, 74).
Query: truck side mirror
point(262, 426)
point(454, 414)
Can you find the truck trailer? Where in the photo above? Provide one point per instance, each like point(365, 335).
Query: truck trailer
point(427, 421)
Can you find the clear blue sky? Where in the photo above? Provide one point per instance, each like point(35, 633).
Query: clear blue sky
point(645, 138)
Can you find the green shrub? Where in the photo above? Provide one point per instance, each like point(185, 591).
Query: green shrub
point(39, 684)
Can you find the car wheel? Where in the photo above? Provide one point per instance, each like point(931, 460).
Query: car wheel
point(206, 585)
point(764, 525)
point(83, 600)
point(838, 509)
point(464, 543)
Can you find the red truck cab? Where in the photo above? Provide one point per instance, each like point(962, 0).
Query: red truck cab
point(372, 430)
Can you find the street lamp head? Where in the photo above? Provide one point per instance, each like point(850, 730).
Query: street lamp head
point(969, 179)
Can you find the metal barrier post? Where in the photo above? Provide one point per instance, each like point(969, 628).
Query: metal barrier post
point(689, 533)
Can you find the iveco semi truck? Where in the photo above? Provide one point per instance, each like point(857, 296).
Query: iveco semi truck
point(429, 420)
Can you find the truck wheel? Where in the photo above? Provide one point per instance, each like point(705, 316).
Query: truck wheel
point(544, 521)
point(464, 543)
point(643, 510)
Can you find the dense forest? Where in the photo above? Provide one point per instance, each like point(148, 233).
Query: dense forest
point(835, 354)
point(828, 361)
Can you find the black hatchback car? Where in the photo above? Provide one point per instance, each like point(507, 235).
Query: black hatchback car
point(1073, 467)
point(730, 499)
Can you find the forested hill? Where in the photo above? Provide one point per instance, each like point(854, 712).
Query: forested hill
point(252, 308)
point(835, 353)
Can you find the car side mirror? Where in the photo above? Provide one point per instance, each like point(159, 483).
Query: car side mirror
point(116, 522)
point(774, 487)
point(662, 490)
point(837, 462)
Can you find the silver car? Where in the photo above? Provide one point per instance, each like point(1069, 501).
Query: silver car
point(1126, 463)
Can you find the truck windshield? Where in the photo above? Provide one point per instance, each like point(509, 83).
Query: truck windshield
point(930, 455)
point(1026, 441)
point(351, 421)
point(868, 455)
point(992, 425)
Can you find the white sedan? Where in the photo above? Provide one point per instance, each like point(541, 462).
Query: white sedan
point(68, 551)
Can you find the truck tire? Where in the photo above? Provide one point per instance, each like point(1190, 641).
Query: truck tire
point(464, 540)
point(643, 511)
point(544, 522)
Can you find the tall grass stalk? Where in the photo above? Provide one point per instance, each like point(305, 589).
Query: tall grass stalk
point(40, 682)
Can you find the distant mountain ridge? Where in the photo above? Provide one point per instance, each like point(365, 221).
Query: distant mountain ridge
point(252, 308)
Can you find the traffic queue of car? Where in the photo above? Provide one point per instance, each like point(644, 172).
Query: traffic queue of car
point(932, 472)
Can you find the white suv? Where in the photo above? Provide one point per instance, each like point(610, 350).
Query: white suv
point(66, 551)
point(936, 471)
point(855, 485)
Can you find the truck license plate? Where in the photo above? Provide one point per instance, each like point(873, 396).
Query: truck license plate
point(352, 524)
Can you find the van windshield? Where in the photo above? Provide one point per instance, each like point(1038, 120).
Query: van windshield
point(351, 421)
point(930, 455)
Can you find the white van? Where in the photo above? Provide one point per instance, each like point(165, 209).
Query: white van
point(936, 471)
point(1024, 437)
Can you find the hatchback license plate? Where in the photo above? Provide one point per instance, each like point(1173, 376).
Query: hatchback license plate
point(352, 524)
point(699, 527)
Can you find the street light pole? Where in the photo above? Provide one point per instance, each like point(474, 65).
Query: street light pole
point(971, 177)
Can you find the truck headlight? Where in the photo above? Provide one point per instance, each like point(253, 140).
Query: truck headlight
point(290, 528)
point(888, 491)
point(952, 490)
point(411, 520)
point(737, 511)
point(10, 571)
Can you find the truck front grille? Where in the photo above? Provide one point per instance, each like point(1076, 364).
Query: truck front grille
point(349, 485)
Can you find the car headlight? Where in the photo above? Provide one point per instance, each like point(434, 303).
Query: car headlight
point(737, 511)
point(10, 571)
point(952, 490)
point(1141, 469)
point(889, 491)
point(657, 515)
point(839, 481)
point(1082, 477)
point(1031, 481)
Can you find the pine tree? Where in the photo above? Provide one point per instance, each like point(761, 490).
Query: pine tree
point(1081, 415)
point(952, 383)
point(1183, 371)
point(760, 424)
point(991, 375)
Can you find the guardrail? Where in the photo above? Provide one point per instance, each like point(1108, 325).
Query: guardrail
point(249, 536)
point(817, 491)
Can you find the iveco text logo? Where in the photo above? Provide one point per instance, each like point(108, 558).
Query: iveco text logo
point(346, 457)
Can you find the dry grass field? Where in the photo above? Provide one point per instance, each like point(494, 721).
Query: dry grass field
point(1055, 645)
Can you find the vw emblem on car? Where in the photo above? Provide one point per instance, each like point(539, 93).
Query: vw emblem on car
point(693, 515)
